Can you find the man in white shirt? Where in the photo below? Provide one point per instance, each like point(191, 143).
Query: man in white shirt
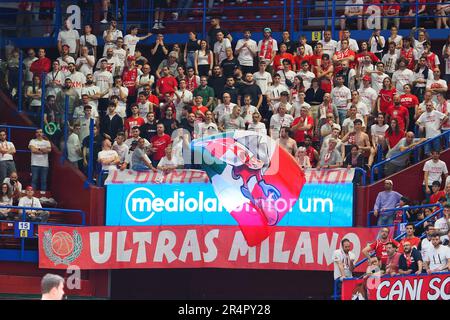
point(353, 11)
point(436, 85)
point(110, 36)
point(89, 40)
point(390, 59)
point(433, 170)
point(78, 79)
point(343, 262)
point(278, 120)
point(329, 45)
point(122, 93)
point(85, 122)
point(438, 256)
point(183, 98)
point(7, 150)
point(263, 78)
point(246, 50)
point(132, 39)
point(275, 90)
point(108, 158)
point(93, 93)
point(352, 44)
point(206, 128)
point(367, 94)
point(425, 244)
point(431, 121)
point(103, 79)
point(32, 202)
point(402, 76)
point(85, 63)
point(378, 77)
point(28, 75)
point(340, 97)
point(286, 73)
point(375, 42)
point(442, 225)
point(306, 75)
point(220, 48)
point(226, 107)
point(74, 153)
point(40, 148)
point(122, 149)
point(112, 63)
point(69, 36)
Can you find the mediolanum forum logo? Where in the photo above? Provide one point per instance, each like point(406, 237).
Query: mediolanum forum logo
point(142, 204)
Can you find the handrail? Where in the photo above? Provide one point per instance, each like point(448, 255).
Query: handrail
point(9, 129)
point(82, 213)
point(403, 234)
point(363, 174)
point(404, 209)
point(415, 148)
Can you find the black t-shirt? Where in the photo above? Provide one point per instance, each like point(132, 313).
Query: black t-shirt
point(185, 125)
point(415, 257)
point(192, 45)
point(217, 83)
point(212, 33)
point(168, 125)
point(291, 45)
point(98, 141)
point(157, 58)
point(148, 130)
point(233, 92)
point(253, 90)
point(229, 66)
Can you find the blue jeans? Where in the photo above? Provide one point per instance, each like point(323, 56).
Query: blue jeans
point(6, 167)
point(140, 167)
point(39, 174)
point(342, 115)
point(384, 220)
point(436, 145)
point(190, 59)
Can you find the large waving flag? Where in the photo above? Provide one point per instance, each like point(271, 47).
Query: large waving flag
point(256, 180)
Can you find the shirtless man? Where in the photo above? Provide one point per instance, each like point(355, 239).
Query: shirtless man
point(287, 142)
point(361, 139)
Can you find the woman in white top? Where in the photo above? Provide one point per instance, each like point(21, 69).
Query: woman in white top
point(6, 199)
point(396, 38)
point(203, 60)
point(302, 158)
point(34, 93)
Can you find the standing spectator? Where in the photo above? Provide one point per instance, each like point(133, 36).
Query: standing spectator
point(421, 75)
point(353, 13)
point(233, 121)
point(111, 123)
point(302, 125)
point(330, 157)
point(378, 131)
point(413, 241)
point(85, 63)
point(28, 76)
point(132, 39)
point(170, 63)
point(40, 65)
point(377, 43)
point(98, 140)
point(203, 60)
point(431, 122)
point(279, 120)
point(130, 78)
point(267, 49)
point(341, 97)
point(442, 225)
point(133, 120)
point(354, 159)
point(40, 148)
point(69, 36)
point(34, 94)
point(205, 91)
point(7, 150)
point(409, 101)
point(166, 84)
point(434, 170)
point(393, 134)
point(390, 59)
point(402, 76)
point(159, 143)
point(329, 45)
point(437, 193)
point(367, 94)
point(78, 79)
point(121, 92)
point(438, 256)
point(33, 202)
point(378, 76)
point(220, 47)
point(229, 64)
point(74, 153)
point(110, 36)
point(206, 128)
point(103, 80)
point(158, 51)
point(386, 200)
point(256, 125)
point(436, 85)
point(286, 142)
point(215, 29)
point(246, 50)
point(144, 79)
point(386, 96)
point(89, 40)
point(249, 87)
point(192, 45)
point(343, 261)
point(379, 246)
point(352, 44)
point(122, 150)
point(160, 6)
point(398, 112)
point(410, 262)
point(392, 259)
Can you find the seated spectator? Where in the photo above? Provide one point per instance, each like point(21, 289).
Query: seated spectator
point(302, 158)
point(40, 147)
point(434, 170)
point(398, 164)
point(414, 242)
point(6, 199)
point(386, 200)
point(169, 162)
point(170, 63)
point(135, 136)
point(437, 192)
point(442, 225)
point(206, 128)
point(7, 150)
point(311, 152)
point(354, 159)
point(122, 150)
point(353, 13)
point(330, 157)
point(302, 125)
point(140, 160)
point(436, 84)
point(379, 246)
point(32, 202)
point(335, 133)
point(14, 185)
point(410, 262)
point(437, 258)
point(108, 158)
point(392, 259)
point(159, 143)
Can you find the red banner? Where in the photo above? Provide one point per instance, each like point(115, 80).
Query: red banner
point(424, 287)
point(288, 248)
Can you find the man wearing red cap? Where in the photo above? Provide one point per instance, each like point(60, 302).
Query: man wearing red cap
point(367, 94)
point(32, 202)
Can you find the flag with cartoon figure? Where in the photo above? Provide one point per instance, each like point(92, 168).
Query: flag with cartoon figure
point(256, 180)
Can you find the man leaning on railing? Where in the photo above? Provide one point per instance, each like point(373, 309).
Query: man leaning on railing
point(387, 199)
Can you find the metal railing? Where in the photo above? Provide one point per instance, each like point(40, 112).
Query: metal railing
point(378, 168)
point(9, 129)
point(23, 254)
point(403, 209)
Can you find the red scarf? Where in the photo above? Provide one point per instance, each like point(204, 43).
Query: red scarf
point(192, 83)
point(268, 53)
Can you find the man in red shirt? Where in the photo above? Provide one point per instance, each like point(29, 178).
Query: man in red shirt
point(316, 59)
point(399, 112)
point(134, 121)
point(379, 246)
point(411, 102)
point(283, 55)
point(302, 126)
point(42, 64)
point(408, 53)
point(344, 54)
point(413, 240)
point(159, 144)
point(166, 84)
